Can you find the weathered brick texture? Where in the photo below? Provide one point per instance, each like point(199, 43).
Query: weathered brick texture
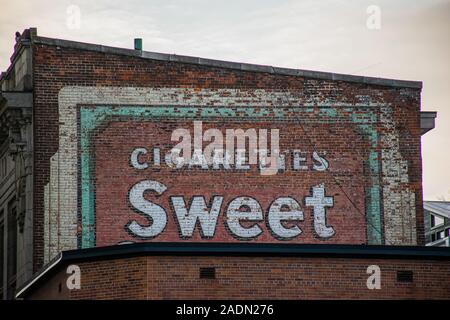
point(370, 133)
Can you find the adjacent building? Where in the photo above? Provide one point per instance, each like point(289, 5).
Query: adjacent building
point(16, 169)
point(91, 179)
point(437, 223)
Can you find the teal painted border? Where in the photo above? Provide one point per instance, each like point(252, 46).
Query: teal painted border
point(92, 116)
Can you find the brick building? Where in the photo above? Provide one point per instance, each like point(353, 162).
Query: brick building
point(437, 223)
point(94, 185)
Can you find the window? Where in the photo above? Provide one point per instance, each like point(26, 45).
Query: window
point(11, 262)
point(3, 167)
point(436, 221)
point(2, 253)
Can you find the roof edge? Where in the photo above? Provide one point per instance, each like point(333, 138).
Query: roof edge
point(40, 274)
point(227, 64)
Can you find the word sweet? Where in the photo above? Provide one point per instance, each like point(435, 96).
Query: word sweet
point(239, 213)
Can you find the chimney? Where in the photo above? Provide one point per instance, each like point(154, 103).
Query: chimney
point(138, 44)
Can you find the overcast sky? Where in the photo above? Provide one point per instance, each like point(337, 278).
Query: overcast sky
point(412, 43)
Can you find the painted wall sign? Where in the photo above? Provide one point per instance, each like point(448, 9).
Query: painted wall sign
point(340, 174)
point(142, 194)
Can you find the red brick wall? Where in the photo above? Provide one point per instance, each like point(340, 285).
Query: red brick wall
point(115, 177)
point(169, 277)
point(56, 67)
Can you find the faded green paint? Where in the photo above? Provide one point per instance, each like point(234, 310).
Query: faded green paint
point(373, 209)
point(373, 217)
point(366, 117)
point(92, 117)
point(329, 112)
